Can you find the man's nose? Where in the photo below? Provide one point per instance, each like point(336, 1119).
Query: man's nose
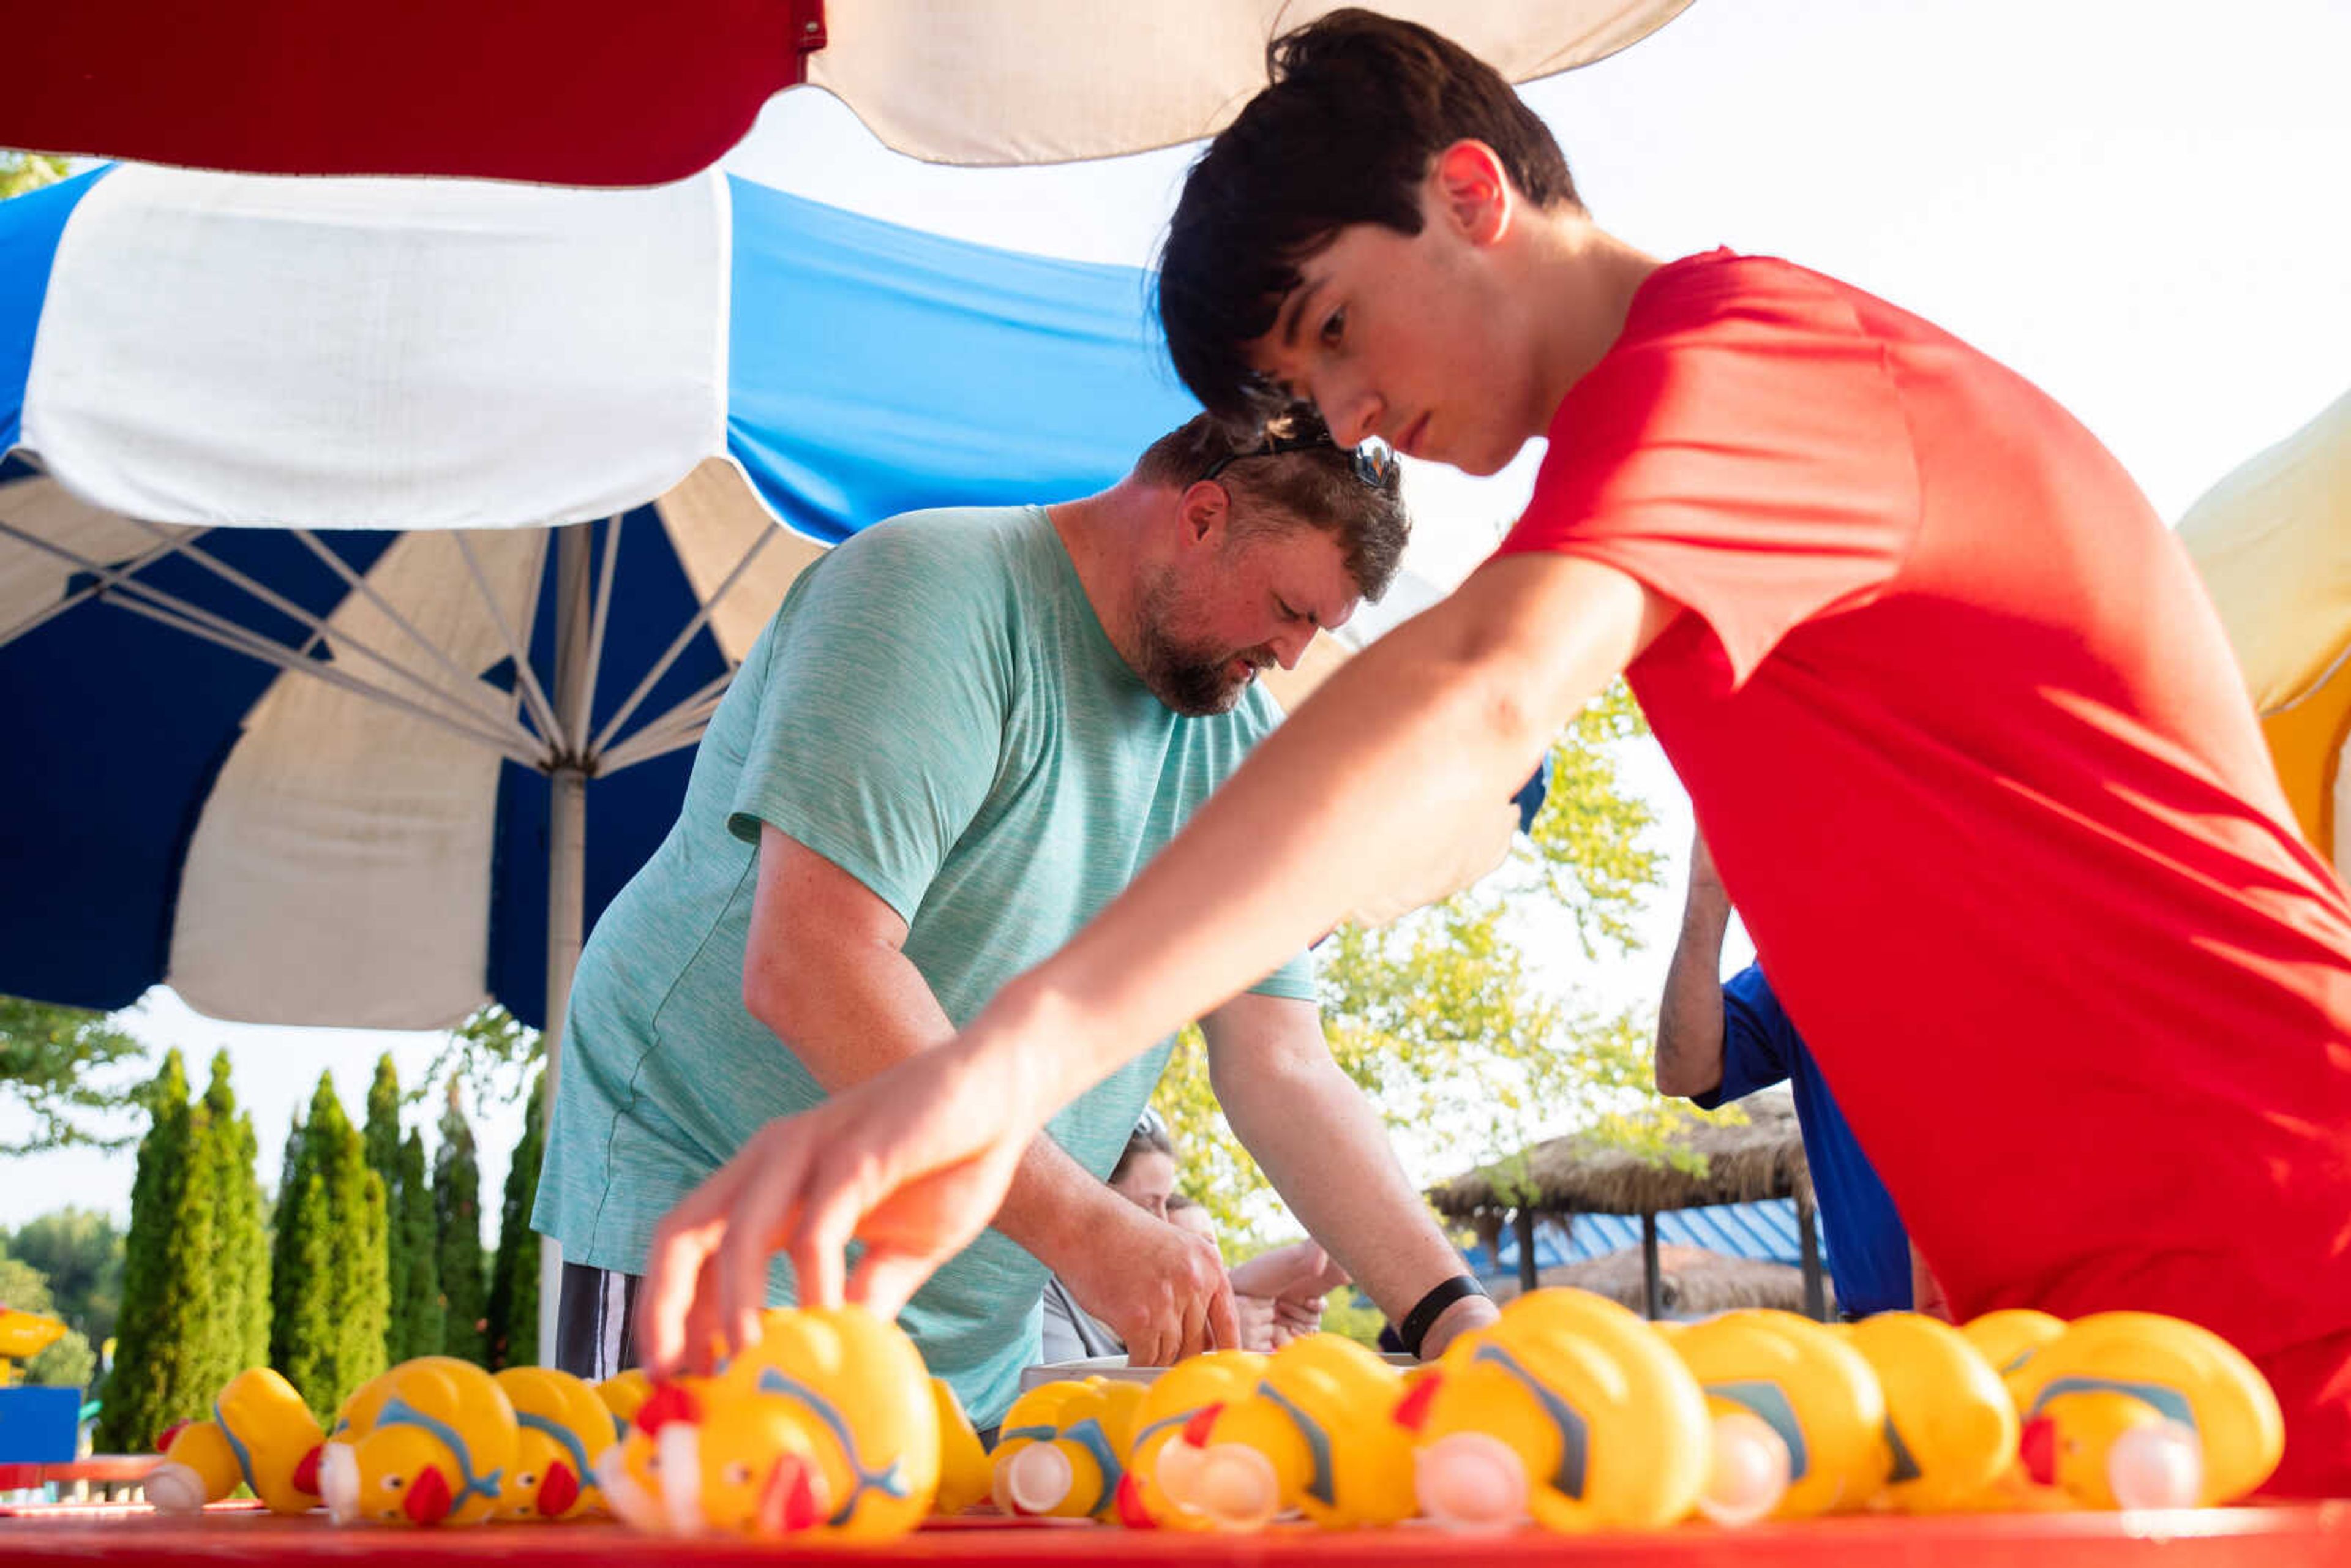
point(1290, 645)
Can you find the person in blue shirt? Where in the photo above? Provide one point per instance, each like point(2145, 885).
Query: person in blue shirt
point(1720, 1041)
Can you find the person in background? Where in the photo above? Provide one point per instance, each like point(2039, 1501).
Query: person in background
point(1720, 1041)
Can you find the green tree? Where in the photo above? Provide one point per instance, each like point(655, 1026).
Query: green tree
point(1441, 1019)
point(513, 1272)
point(22, 171)
point(54, 1064)
point(417, 1317)
point(65, 1363)
point(458, 1223)
point(301, 1267)
point(79, 1253)
point(383, 1158)
point(238, 1332)
point(362, 1288)
point(328, 1296)
point(493, 1051)
point(161, 1338)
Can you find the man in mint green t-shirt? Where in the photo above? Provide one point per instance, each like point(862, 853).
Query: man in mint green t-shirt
point(962, 734)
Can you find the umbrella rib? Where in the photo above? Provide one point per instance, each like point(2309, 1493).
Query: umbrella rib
point(689, 718)
point(460, 682)
point(319, 628)
point(240, 640)
point(630, 754)
point(701, 618)
point(542, 711)
point(42, 616)
point(600, 621)
point(129, 593)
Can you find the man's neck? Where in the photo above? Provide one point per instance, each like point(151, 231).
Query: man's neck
point(1582, 279)
point(1105, 536)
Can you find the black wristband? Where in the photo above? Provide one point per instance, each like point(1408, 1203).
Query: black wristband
point(1418, 1322)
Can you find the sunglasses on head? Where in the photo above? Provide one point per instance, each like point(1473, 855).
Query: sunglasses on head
point(1374, 462)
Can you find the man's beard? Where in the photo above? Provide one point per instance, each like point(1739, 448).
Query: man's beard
point(1186, 676)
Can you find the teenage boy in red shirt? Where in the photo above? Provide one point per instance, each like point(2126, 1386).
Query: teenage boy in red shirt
point(1957, 717)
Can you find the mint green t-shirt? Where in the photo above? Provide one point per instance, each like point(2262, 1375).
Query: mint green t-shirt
point(936, 709)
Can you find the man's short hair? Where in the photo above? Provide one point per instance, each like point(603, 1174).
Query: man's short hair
point(1359, 108)
point(1314, 487)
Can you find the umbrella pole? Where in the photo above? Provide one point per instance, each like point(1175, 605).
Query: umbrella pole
point(566, 854)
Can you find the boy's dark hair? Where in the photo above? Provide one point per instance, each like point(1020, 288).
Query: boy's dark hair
point(1359, 107)
point(1314, 487)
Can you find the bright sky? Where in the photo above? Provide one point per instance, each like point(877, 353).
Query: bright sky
point(2140, 207)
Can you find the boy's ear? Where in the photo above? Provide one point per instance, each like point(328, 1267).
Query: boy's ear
point(1471, 189)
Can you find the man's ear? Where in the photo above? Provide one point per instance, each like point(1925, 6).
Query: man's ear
point(1468, 187)
point(1204, 512)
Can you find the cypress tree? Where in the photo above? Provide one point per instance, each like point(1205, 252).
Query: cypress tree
point(161, 1338)
point(383, 1158)
point(238, 1330)
point(458, 1223)
point(416, 1314)
point(514, 1275)
point(362, 1296)
point(302, 1294)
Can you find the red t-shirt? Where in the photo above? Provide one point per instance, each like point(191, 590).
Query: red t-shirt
point(1974, 758)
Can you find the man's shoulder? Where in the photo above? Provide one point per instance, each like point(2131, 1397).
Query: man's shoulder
point(949, 541)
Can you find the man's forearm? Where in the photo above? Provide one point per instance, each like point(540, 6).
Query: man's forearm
point(1322, 1147)
point(857, 1008)
point(1689, 1015)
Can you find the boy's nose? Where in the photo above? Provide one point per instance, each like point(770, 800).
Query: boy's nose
point(1353, 416)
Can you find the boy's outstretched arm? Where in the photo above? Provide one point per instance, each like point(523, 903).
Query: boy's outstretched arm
point(1412, 747)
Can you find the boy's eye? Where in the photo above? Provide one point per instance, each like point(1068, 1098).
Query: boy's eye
point(1334, 327)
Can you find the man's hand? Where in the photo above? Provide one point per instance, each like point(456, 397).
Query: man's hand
point(1285, 1287)
point(1161, 1290)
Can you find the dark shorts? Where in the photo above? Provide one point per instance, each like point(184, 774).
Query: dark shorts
point(596, 1322)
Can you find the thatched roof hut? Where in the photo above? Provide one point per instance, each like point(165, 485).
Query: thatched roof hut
point(1692, 1282)
point(1764, 1158)
point(1759, 1158)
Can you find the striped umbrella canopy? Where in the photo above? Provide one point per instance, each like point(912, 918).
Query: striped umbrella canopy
point(614, 92)
point(2273, 541)
point(372, 551)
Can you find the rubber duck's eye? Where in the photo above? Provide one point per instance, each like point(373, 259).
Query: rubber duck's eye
point(738, 1475)
point(392, 1483)
point(529, 1480)
point(654, 1463)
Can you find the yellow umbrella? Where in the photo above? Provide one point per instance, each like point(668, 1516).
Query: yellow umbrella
point(2274, 542)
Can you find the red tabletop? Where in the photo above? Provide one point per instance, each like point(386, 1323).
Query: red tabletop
point(2278, 1537)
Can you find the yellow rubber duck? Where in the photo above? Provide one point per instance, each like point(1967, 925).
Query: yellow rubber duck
point(1799, 1418)
point(1316, 1435)
point(564, 1427)
point(1951, 1427)
point(1061, 1453)
point(2008, 1337)
point(2138, 1410)
point(1570, 1411)
point(623, 1394)
point(964, 1474)
point(1160, 1466)
point(862, 1398)
point(261, 1434)
point(702, 1458)
point(432, 1441)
